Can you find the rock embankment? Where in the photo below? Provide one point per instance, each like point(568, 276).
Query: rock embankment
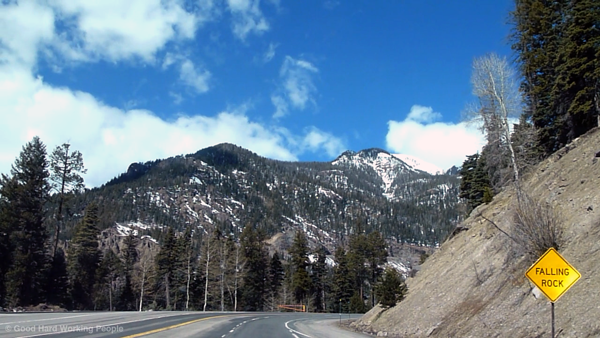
point(475, 285)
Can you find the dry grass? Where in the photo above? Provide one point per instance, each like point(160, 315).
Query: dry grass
point(537, 226)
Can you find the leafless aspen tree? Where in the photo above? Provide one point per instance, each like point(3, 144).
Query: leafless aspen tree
point(494, 84)
point(144, 268)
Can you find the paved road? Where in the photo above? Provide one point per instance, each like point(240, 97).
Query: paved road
point(173, 324)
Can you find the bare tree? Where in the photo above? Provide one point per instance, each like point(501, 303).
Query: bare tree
point(66, 168)
point(144, 268)
point(210, 250)
point(494, 84)
point(189, 272)
point(240, 262)
point(224, 258)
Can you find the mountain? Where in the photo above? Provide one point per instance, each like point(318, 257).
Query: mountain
point(475, 284)
point(228, 187)
point(420, 164)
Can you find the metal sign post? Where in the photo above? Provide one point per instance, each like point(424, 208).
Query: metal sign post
point(340, 311)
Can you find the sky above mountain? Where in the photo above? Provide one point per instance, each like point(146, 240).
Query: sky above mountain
point(128, 81)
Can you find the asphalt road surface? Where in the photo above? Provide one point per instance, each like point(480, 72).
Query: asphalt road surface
point(174, 324)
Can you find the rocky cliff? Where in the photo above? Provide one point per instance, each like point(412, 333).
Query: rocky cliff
point(475, 285)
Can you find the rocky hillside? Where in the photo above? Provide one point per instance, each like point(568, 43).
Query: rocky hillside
point(475, 285)
point(229, 187)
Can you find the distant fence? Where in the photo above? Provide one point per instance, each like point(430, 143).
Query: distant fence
point(293, 307)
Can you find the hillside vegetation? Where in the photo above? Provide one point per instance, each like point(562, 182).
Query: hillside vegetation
point(475, 285)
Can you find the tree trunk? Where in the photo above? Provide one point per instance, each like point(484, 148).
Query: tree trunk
point(206, 274)
point(235, 279)
point(110, 296)
point(167, 292)
point(187, 287)
point(222, 276)
point(61, 201)
point(142, 291)
point(189, 274)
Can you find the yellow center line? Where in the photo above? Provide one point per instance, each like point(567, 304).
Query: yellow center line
point(173, 326)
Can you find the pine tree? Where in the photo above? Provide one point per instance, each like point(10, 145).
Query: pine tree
point(57, 288)
point(166, 265)
point(557, 45)
point(127, 299)
point(8, 189)
point(66, 170)
point(105, 287)
point(342, 281)
point(524, 142)
point(357, 303)
point(301, 282)
point(83, 260)
point(254, 287)
point(538, 26)
point(578, 67)
point(474, 181)
point(376, 257)
point(24, 196)
point(276, 275)
point(130, 254)
point(319, 280)
point(391, 289)
point(356, 256)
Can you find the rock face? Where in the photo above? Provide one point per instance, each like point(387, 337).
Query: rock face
point(475, 285)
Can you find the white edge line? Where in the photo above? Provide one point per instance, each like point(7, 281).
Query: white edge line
point(294, 331)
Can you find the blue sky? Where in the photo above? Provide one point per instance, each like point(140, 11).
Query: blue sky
point(127, 81)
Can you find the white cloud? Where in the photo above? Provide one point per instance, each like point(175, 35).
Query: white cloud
point(177, 98)
point(281, 106)
point(23, 29)
point(111, 138)
point(297, 87)
point(270, 53)
point(423, 114)
point(443, 144)
point(170, 59)
point(189, 74)
point(119, 30)
point(316, 139)
point(247, 18)
point(194, 78)
point(88, 31)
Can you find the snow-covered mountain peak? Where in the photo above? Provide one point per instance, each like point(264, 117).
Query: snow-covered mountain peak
point(385, 165)
point(419, 164)
point(378, 159)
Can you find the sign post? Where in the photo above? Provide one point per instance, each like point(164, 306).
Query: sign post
point(340, 311)
point(553, 275)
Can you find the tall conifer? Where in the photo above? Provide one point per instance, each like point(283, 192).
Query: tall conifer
point(84, 257)
point(24, 197)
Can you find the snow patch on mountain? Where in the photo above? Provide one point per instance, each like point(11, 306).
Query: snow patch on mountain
point(387, 166)
point(419, 164)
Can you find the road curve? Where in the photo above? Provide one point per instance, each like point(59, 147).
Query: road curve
point(172, 324)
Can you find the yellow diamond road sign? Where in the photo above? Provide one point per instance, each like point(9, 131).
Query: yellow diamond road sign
point(552, 274)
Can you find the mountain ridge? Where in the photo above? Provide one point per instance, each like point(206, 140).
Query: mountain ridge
point(229, 187)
